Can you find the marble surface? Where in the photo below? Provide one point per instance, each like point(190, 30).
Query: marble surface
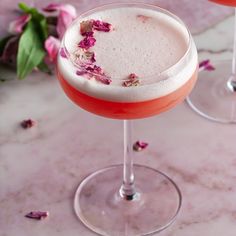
point(40, 168)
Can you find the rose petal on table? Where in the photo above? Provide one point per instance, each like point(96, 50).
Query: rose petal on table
point(52, 45)
point(26, 124)
point(206, 65)
point(139, 146)
point(37, 215)
point(16, 26)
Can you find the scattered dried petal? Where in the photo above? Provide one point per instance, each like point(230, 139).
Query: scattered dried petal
point(206, 65)
point(37, 215)
point(101, 26)
point(132, 81)
point(26, 124)
point(143, 18)
point(63, 53)
point(139, 146)
point(87, 42)
point(86, 28)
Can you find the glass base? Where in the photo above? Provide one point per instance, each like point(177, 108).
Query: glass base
point(211, 97)
point(100, 207)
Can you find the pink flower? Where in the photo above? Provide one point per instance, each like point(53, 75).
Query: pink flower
point(67, 14)
point(16, 26)
point(52, 45)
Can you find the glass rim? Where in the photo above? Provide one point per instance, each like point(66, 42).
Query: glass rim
point(165, 72)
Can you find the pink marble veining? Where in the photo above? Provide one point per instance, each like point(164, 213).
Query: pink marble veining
point(41, 167)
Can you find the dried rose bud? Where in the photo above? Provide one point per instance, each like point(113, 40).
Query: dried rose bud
point(101, 26)
point(206, 65)
point(37, 215)
point(139, 146)
point(86, 28)
point(26, 124)
point(132, 81)
point(63, 53)
point(87, 42)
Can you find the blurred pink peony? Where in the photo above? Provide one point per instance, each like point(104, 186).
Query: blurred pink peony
point(67, 14)
point(16, 26)
point(52, 45)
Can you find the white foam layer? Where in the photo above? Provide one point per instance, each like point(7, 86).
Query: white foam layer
point(146, 47)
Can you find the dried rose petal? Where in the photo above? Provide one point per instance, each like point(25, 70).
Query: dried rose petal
point(101, 26)
point(206, 65)
point(26, 124)
point(99, 74)
point(63, 53)
point(83, 57)
point(37, 215)
point(94, 72)
point(143, 18)
point(86, 28)
point(139, 146)
point(132, 81)
point(87, 42)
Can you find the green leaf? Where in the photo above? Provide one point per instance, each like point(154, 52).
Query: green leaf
point(23, 7)
point(3, 43)
point(30, 51)
point(44, 68)
point(38, 18)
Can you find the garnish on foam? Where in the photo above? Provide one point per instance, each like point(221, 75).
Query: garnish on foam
point(84, 58)
point(143, 18)
point(94, 72)
point(101, 26)
point(139, 146)
point(86, 28)
point(87, 42)
point(132, 81)
point(63, 53)
point(206, 65)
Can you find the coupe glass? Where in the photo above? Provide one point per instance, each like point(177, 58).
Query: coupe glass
point(214, 96)
point(130, 199)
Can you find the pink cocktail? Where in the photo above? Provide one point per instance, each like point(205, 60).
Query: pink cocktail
point(225, 2)
point(127, 61)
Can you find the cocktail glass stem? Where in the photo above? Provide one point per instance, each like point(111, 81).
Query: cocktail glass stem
point(231, 84)
point(127, 189)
